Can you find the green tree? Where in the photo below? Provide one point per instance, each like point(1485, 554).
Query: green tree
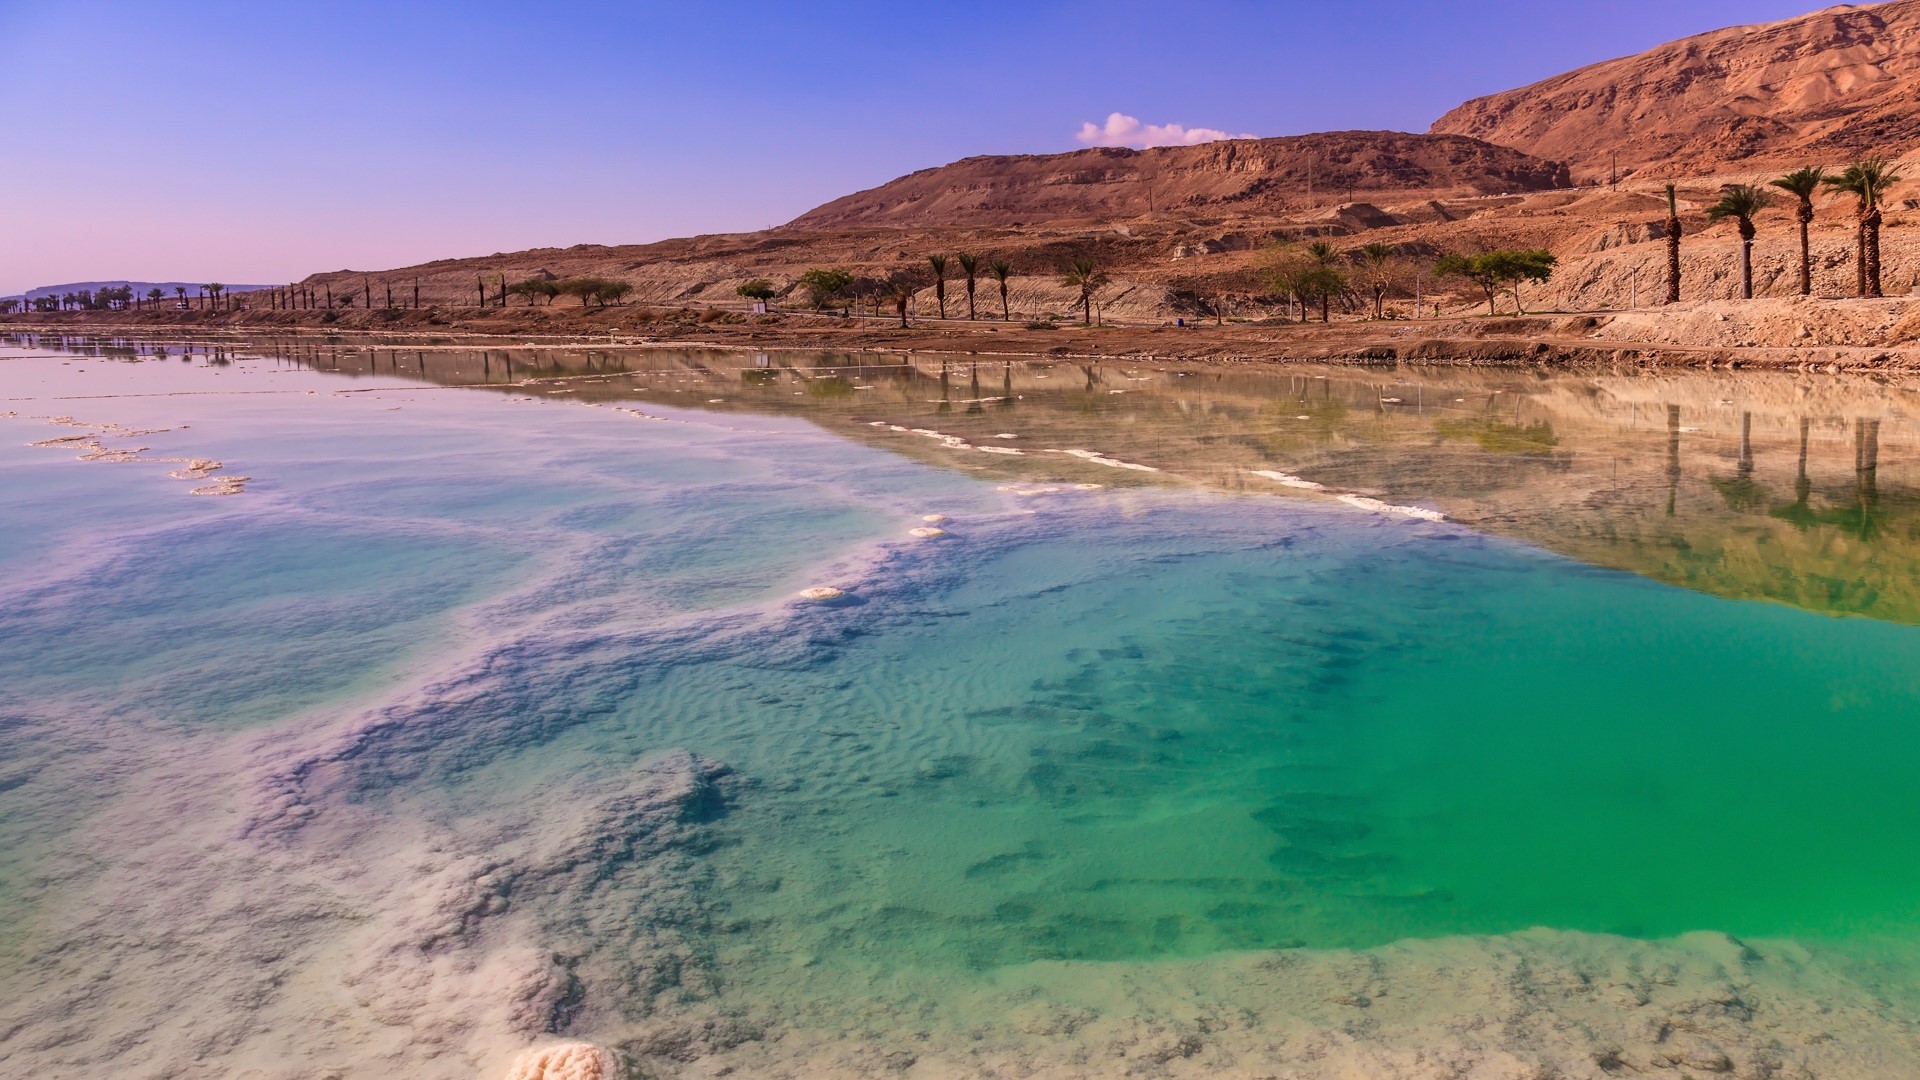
point(901, 289)
point(1378, 267)
point(154, 296)
point(595, 291)
point(1673, 246)
point(1801, 184)
point(823, 284)
point(1322, 279)
point(533, 288)
point(180, 291)
point(1000, 270)
point(969, 269)
point(1867, 180)
point(1089, 279)
point(759, 289)
point(939, 264)
point(1741, 202)
point(214, 289)
point(1498, 269)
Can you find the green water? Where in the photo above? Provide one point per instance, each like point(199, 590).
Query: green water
point(1106, 724)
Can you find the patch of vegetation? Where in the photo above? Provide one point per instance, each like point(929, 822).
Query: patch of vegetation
point(833, 386)
point(1499, 437)
point(1042, 324)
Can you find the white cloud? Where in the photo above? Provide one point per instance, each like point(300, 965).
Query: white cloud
point(1123, 130)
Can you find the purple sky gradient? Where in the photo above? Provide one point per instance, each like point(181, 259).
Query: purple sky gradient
point(263, 142)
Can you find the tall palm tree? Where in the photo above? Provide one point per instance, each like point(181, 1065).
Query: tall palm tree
point(1867, 180)
point(181, 292)
point(1001, 270)
point(1673, 246)
point(1740, 202)
point(969, 268)
point(1801, 184)
point(939, 264)
point(1089, 279)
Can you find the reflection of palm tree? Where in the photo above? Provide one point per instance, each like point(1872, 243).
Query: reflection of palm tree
point(1741, 493)
point(1866, 471)
point(1673, 457)
point(1798, 512)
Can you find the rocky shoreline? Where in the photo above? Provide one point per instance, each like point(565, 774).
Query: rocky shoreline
point(1823, 335)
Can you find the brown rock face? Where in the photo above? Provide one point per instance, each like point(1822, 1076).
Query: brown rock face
point(1241, 177)
point(1820, 88)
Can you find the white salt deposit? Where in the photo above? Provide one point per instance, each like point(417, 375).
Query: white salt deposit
point(1289, 480)
point(1365, 503)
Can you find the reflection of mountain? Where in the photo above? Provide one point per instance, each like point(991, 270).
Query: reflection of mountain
point(1768, 487)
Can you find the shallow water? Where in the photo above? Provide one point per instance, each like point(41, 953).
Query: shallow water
point(481, 716)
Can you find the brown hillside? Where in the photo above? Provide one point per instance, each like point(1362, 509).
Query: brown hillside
point(1241, 177)
point(1825, 86)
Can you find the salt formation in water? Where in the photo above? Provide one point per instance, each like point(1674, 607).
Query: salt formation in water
point(566, 1061)
point(821, 592)
point(926, 532)
point(933, 519)
point(1366, 503)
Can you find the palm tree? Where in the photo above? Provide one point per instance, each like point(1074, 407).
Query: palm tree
point(970, 267)
point(181, 292)
point(939, 264)
point(1867, 180)
point(154, 296)
point(213, 293)
point(1089, 280)
point(1001, 270)
point(1740, 202)
point(1801, 184)
point(1673, 247)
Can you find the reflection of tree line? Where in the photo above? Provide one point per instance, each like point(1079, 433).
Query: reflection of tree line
point(1863, 518)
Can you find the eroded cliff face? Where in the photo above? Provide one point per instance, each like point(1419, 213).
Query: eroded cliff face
point(1241, 176)
point(1833, 84)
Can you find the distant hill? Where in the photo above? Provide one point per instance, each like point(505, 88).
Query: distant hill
point(139, 287)
point(1240, 177)
point(1816, 89)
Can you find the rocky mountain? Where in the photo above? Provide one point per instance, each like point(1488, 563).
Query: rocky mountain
point(1241, 177)
point(1820, 88)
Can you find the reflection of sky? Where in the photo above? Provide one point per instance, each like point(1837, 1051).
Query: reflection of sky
point(266, 142)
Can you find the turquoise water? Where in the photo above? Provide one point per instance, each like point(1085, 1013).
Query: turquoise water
point(1095, 725)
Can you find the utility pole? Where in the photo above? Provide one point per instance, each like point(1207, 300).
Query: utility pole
point(1419, 279)
point(1613, 174)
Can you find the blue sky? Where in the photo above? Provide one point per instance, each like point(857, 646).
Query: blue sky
point(263, 142)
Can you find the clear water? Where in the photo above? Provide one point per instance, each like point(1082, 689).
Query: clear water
point(1174, 716)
